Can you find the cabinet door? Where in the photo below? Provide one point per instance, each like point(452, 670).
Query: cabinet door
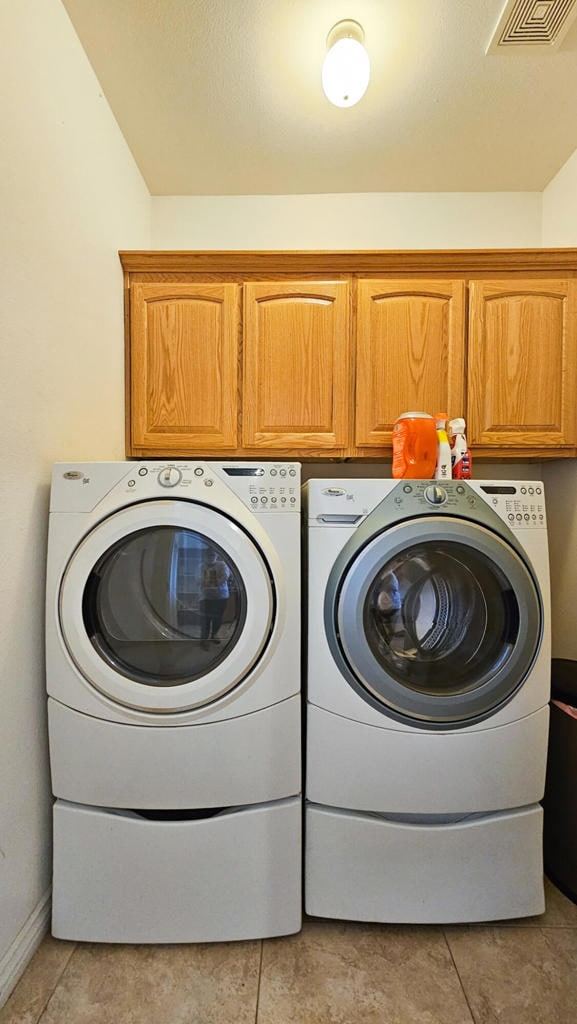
point(410, 353)
point(296, 379)
point(522, 363)
point(183, 367)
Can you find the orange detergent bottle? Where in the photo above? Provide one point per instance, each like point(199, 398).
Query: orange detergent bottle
point(414, 446)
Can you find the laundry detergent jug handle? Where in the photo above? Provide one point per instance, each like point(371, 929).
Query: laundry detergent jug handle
point(401, 449)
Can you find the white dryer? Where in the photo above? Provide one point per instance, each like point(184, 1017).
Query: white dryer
point(173, 675)
point(428, 672)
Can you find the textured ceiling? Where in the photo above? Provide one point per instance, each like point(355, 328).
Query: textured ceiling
point(223, 97)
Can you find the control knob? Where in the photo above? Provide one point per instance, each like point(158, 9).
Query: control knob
point(170, 476)
point(435, 495)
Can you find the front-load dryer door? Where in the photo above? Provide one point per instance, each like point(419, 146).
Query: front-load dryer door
point(166, 606)
point(434, 621)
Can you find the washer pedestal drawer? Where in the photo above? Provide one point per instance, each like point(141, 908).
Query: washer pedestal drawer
point(482, 867)
point(120, 877)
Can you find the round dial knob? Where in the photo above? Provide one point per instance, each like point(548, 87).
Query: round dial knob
point(169, 477)
point(435, 495)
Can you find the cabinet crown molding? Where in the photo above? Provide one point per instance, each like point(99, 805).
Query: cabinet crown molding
point(371, 261)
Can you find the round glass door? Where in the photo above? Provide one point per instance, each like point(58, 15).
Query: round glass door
point(166, 606)
point(437, 620)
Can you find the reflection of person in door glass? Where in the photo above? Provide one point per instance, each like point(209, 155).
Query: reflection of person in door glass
point(216, 592)
point(389, 604)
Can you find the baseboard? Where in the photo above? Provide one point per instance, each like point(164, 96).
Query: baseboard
point(19, 954)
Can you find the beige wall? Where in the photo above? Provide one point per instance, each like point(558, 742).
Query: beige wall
point(70, 196)
point(441, 220)
point(560, 229)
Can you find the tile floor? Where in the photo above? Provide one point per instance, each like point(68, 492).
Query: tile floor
point(518, 972)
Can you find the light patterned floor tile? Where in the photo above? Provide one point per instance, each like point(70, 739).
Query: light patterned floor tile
point(517, 975)
point(189, 984)
point(343, 973)
point(38, 982)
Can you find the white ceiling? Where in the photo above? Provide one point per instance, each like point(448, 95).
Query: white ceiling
point(223, 97)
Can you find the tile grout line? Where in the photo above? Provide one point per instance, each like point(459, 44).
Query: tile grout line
point(256, 1009)
point(470, 1008)
point(60, 977)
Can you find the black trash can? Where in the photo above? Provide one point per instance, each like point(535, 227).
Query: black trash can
point(560, 800)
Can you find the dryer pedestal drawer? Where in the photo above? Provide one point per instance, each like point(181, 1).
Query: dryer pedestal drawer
point(369, 868)
point(119, 877)
point(245, 760)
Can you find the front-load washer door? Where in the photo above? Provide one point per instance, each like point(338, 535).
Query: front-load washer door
point(434, 621)
point(166, 606)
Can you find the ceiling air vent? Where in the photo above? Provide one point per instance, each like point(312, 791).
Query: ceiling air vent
point(541, 23)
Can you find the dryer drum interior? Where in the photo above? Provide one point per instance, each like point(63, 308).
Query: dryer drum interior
point(439, 626)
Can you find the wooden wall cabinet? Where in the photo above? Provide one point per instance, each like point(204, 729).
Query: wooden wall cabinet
point(183, 390)
point(296, 366)
point(410, 353)
point(522, 366)
point(315, 354)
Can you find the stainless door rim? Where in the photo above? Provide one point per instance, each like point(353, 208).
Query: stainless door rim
point(347, 589)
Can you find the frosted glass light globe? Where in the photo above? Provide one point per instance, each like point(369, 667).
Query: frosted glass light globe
point(346, 72)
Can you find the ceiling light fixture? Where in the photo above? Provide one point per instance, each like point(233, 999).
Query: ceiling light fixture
point(346, 67)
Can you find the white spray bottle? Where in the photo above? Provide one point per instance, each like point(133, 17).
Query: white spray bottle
point(460, 454)
point(443, 468)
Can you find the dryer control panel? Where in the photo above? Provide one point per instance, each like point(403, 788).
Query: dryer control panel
point(262, 487)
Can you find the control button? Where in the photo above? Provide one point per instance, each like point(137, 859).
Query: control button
point(283, 472)
point(292, 472)
point(264, 500)
point(142, 471)
point(534, 516)
point(273, 472)
point(531, 491)
point(283, 501)
point(408, 489)
point(254, 499)
point(460, 489)
point(541, 516)
point(527, 517)
point(131, 483)
point(511, 517)
point(199, 471)
point(169, 477)
point(523, 490)
point(208, 483)
point(519, 517)
point(435, 495)
point(538, 490)
point(292, 501)
point(273, 501)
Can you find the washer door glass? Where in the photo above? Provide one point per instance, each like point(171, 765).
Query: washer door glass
point(164, 605)
point(167, 605)
point(442, 629)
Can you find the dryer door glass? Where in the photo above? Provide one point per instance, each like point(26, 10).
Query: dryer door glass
point(439, 621)
point(164, 605)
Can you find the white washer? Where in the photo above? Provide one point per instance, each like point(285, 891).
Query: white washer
point(173, 675)
point(428, 673)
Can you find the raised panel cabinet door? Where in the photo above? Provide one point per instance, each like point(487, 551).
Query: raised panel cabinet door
point(296, 373)
point(184, 341)
point(410, 353)
point(522, 363)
